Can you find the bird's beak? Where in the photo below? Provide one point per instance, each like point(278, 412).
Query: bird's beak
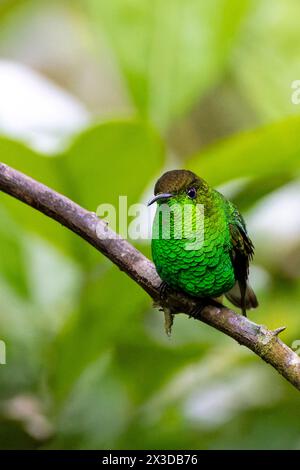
point(158, 197)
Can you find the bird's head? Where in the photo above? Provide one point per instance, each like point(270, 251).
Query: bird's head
point(181, 186)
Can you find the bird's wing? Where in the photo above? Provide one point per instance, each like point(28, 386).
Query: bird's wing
point(241, 254)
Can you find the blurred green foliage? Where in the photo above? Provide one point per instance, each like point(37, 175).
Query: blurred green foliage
point(88, 365)
point(169, 51)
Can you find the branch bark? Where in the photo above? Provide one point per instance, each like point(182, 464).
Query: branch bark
point(263, 342)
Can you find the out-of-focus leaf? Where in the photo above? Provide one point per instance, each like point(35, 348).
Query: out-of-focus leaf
point(169, 51)
point(266, 60)
point(112, 159)
point(43, 169)
point(13, 437)
point(148, 355)
point(54, 281)
point(12, 265)
point(30, 320)
point(270, 150)
point(30, 162)
point(256, 189)
point(263, 428)
point(96, 412)
point(108, 310)
point(7, 6)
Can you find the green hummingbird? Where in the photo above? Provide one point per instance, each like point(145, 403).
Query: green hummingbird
point(200, 243)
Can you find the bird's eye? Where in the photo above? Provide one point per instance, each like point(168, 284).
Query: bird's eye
point(192, 193)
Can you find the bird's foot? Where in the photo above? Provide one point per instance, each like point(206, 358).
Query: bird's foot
point(164, 290)
point(196, 312)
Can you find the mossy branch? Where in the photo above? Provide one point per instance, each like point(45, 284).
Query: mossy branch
point(263, 342)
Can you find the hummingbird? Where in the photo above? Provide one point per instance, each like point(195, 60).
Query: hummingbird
point(205, 253)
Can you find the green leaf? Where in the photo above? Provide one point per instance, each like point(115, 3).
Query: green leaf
point(7, 6)
point(256, 189)
point(108, 310)
point(44, 170)
point(269, 150)
point(96, 412)
point(170, 51)
point(110, 160)
point(266, 60)
point(12, 266)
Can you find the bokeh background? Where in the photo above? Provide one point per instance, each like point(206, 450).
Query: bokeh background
point(97, 99)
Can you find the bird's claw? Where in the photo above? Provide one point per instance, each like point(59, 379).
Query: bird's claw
point(164, 290)
point(196, 312)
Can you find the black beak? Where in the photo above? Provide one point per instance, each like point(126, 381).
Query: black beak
point(158, 197)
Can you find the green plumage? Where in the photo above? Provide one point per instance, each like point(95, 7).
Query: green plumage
point(207, 253)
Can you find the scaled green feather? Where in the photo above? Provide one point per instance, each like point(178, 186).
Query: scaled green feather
point(220, 261)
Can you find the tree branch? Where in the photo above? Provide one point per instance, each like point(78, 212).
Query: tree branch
point(259, 339)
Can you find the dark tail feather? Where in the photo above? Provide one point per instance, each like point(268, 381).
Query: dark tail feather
point(246, 301)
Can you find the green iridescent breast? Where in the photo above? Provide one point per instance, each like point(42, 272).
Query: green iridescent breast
point(194, 255)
